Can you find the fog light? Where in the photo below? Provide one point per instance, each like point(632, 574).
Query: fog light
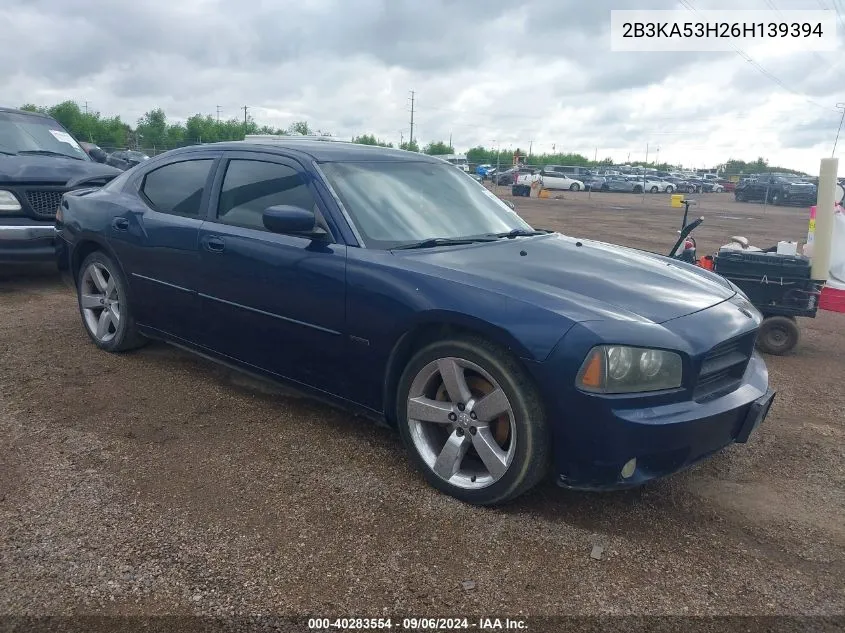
point(629, 468)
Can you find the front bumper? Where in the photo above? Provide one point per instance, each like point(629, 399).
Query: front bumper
point(662, 439)
point(27, 242)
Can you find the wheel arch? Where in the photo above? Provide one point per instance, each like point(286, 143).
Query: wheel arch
point(432, 327)
point(84, 246)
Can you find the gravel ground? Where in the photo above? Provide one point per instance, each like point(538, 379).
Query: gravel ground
point(158, 483)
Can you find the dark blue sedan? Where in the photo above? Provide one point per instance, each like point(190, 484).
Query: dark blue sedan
point(393, 284)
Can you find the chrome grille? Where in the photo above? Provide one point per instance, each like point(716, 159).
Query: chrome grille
point(44, 202)
point(723, 367)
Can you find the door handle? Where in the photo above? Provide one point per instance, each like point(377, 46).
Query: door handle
point(215, 244)
point(120, 224)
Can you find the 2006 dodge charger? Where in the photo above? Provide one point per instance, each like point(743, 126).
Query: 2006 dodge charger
point(395, 285)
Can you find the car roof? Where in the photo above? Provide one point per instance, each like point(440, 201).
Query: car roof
point(27, 112)
point(321, 151)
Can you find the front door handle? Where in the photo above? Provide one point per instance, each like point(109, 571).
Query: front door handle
point(215, 244)
point(120, 224)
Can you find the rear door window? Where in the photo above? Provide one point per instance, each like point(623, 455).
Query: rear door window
point(177, 188)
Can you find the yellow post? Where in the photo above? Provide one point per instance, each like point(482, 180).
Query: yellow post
point(677, 200)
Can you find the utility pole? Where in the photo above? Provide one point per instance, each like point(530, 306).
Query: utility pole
point(657, 158)
point(86, 107)
point(245, 109)
point(840, 106)
point(411, 138)
point(530, 147)
point(218, 114)
point(401, 139)
point(450, 140)
point(596, 156)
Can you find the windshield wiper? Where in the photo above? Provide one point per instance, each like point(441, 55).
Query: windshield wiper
point(47, 152)
point(443, 241)
point(522, 233)
point(3, 151)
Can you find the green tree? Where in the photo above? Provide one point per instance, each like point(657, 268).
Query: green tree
point(410, 146)
point(152, 129)
point(438, 148)
point(370, 139)
point(300, 127)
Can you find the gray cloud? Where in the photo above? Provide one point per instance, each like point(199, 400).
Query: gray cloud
point(538, 71)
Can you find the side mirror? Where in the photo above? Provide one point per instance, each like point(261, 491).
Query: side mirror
point(290, 220)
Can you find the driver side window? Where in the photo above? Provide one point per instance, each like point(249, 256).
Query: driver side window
point(250, 186)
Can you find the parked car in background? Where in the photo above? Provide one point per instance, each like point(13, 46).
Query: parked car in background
point(553, 179)
point(97, 153)
point(574, 172)
point(509, 176)
point(484, 170)
point(682, 184)
point(777, 188)
point(605, 366)
point(126, 159)
point(623, 183)
point(39, 161)
point(728, 185)
point(655, 184)
point(596, 183)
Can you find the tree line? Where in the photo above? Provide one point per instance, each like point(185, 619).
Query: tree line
point(153, 133)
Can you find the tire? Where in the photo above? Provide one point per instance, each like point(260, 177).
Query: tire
point(605, 188)
point(574, 187)
point(638, 189)
point(101, 293)
point(738, 197)
point(691, 189)
point(670, 189)
point(521, 454)
point(654, 189)
point(775, 199)
point(778, 335)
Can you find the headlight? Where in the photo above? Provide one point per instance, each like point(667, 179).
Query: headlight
point(623, 369)
point(8, 202)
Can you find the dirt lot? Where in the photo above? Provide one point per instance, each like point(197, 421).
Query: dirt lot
point(156, 482)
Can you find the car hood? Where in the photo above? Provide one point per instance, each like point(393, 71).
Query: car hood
point(50, 169)
point(583, 279)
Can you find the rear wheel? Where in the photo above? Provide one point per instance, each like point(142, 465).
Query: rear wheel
point(670, 189)
point(472, 421)
point(638, 189)
point(104, 305)
point(654, 189)
point(775, 198)
point(778, 335)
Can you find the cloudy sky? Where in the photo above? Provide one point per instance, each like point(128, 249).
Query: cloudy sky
point(483, 71)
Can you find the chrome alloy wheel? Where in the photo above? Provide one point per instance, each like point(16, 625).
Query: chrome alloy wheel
point(461, 423)
point(100, 302)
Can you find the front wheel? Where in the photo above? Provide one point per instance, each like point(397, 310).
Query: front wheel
point(670, 189)
point(654, 189)
point(778, 335)
point(104, 305)
point(472, 421)
point(574, 187)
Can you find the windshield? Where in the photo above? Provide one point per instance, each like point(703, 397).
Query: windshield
point(394, 203)
point(22, 133)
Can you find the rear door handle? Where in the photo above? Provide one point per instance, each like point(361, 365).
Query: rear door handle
point(120, 224)
point(215, 244)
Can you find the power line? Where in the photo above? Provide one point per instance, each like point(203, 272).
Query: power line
point(757, 66)
point(842, 107)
